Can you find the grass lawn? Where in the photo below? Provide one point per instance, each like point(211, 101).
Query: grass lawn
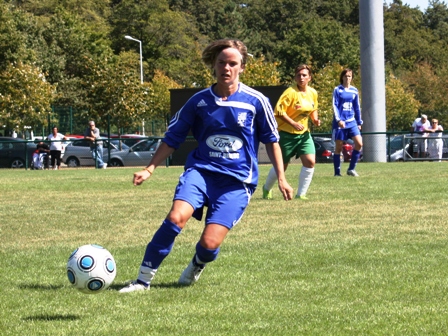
point(363, 256)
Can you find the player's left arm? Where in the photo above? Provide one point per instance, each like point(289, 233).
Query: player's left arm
point(357, 110)
point(315, 118)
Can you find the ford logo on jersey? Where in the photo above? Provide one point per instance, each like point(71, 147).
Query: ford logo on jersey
point(224, 143)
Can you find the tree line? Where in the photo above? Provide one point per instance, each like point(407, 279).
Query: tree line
point(73, 53)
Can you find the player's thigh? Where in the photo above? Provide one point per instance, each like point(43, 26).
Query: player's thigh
point(288, 146)
point(227, 201)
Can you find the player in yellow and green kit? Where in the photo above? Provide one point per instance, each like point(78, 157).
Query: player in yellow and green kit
point(295, 107)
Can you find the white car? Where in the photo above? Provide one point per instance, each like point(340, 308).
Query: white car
point(137, 155)
point(77, 153)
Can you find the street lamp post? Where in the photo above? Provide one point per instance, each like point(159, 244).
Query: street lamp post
point(127, 37)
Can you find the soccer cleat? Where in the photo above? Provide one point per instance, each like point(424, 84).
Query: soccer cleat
point(302, 197)
point(267, 194)
point(191, 274)
point(134, 286)
point(352, 173)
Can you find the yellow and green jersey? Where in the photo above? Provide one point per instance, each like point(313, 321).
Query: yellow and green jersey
point(298, 106)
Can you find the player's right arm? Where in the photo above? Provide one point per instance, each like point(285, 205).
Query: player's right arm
point(159, 157)
point(275, 155)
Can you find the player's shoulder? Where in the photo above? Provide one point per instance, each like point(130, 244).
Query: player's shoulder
point(313, 90)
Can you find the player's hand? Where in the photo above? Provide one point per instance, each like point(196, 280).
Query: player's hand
point(299, 127)
point(286, 190)
point(341, 124)
point(317, 123)
point(140, 177)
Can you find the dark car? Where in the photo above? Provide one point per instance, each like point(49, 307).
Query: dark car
point(14, 152)
point(324, 149)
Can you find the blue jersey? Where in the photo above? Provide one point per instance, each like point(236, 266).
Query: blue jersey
point(346, 106)
point(228, 131)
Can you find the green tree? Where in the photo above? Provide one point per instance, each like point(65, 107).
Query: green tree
point(430, 88)
point(259, 72)
point(401, 105)
point(319, 41)
point(25, 96)
point(324, 82)
point(114, 92)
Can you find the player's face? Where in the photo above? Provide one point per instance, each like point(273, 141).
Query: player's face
point(228, 66)
point(347, 78)
point(302, 78)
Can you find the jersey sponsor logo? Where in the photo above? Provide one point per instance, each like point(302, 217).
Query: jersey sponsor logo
point(202, 103)
point(242, 116)
point(224, 143)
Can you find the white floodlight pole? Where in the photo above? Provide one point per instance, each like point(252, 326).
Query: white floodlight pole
point(127, 37)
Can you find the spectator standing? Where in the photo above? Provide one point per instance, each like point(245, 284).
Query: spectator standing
point(435, 145)
point(420, 127)
point(293, 110)
point(228, 120)
point(96, 146)
point(56, 147)
point(347, 122)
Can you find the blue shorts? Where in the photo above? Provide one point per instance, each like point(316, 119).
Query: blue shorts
point(225, 197)
point(344, 134)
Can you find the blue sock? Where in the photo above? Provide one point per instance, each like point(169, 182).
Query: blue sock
point(337, 164)
point(161, 244)
point(205, 255)
point(354, 159)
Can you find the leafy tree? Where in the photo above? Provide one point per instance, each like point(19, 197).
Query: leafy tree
point(259, 72)
point(430, 87)
point(25, 96)
point(407, 41)
point(215, 18)
point(169, 39)
point(319, 42)
point(436, 19)
point(115, 93)
point(401, 105)
point(324, 82)
point(159, 100)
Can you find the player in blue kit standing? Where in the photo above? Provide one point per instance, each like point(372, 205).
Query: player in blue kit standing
point(346, 122)
point(228, 120)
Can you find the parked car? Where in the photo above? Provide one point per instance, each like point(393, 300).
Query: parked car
point(77, 153)
point(401, 155)
point(324, 149)
point(128, 139)
point(137, 155)
point(14, 151)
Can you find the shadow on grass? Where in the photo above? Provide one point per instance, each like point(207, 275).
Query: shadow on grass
point(117, 287)
point(49, 317)
point(40, 286)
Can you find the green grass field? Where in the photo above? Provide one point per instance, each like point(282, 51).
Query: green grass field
point(363, 256)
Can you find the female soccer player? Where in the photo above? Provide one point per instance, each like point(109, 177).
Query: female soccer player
point(295, 106)
point(228, 120)
point(346, 121)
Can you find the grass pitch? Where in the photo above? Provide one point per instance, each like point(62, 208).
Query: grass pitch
point(363, 256)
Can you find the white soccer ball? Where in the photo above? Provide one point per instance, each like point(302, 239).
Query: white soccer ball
point(91, 269)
